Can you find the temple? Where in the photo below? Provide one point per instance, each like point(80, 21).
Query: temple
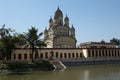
point(61, 45)
point(59, 34)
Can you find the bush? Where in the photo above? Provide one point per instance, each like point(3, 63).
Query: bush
point(20, 66)
point(4, 66)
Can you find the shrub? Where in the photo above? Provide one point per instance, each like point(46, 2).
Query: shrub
point(4, 66)
point(20, 66)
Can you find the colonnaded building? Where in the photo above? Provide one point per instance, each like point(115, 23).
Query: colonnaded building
point(61, 44)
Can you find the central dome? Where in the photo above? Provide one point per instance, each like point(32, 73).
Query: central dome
point(58, 13)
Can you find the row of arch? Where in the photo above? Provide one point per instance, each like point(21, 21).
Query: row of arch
point(47, 55)
point(103, 53)
point(92, 53)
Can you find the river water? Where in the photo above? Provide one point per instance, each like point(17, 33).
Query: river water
point(91, 72)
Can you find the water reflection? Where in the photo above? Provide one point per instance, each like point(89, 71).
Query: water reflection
point(96, 72)
point(86, 75)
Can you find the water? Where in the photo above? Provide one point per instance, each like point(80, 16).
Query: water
point(92, 72)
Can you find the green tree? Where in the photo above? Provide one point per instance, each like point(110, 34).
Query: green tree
point(33, 40)
point(115, 41)
point(19, 39)
point(7, 42)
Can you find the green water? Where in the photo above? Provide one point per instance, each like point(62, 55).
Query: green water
point(96, 72)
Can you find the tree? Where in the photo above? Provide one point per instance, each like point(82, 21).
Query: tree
point(7, 42)
point(19, 39)
point(115, 41)
point(33, 40)
point(9, 46)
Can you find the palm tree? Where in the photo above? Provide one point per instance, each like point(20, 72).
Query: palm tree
point(33, 40)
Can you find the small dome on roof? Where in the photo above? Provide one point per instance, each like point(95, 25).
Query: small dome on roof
point(66, 18)
point(58, 13)
point(50, 20)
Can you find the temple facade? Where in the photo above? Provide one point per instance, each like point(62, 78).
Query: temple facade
point(59, 33)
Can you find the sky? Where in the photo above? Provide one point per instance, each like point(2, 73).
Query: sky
point(94, 20)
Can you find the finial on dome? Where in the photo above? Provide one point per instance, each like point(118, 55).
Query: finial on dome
point(50, 20)
point(72, 27)
point(66, 20)
point(58, 13)
point(45, 29)
point(58, 17)
point(58, 6)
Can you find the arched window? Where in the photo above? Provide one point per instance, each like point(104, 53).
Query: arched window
point(61, 55)
point(93, 53)
point(69, 55)
point(52, 56)
point(99, 53)
point(52, 53)
point(76, 55)
point(96, 53)
point(56, 54)
point(103, 53)
point(89, 54)
point(25, 56)
point(112, 53)
point(118, 54)
point(115, 53)
point(81, 55)
point(65, 55)
point(36, 55)
point(14, 56)
point(73, 55)
point(106, 53)
point(30, 56)
point(46, 54)
point(19, 56)
point(41, 55)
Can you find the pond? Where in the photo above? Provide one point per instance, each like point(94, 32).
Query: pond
point(90, 72)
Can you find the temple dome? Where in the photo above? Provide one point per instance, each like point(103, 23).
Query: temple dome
point(50, 20)
point(66, 18)
point(58, 13)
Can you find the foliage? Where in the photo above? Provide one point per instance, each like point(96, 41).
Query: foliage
point(7, 42)
point(3, 66)
point(21, 66)
point(19, 39)
point(115, 41)
point(33, 40)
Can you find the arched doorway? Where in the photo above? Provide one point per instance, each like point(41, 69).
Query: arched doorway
point(52, 56)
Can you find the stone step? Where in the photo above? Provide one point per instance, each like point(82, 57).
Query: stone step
point(58, 64)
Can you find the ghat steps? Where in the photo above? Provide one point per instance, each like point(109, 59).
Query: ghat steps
point(57, 64)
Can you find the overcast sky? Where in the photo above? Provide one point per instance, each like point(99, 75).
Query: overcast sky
point(94, 20)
